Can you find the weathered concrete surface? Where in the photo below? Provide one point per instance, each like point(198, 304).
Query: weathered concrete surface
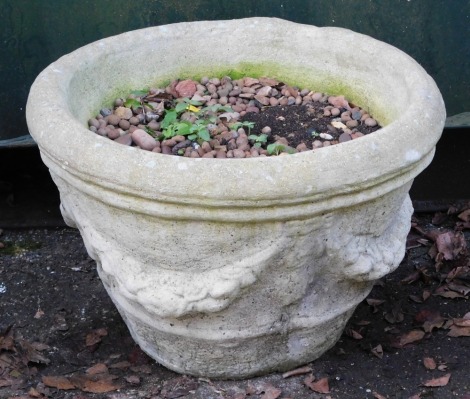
point(260, 273)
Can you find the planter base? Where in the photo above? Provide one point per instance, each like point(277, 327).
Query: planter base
point(280, 306)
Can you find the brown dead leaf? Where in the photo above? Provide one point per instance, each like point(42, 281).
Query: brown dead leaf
point(450, 244)
point(39, 313)
point(133, 379)
point(460, 288)
point(320, 386)
point(271, 393)
point(375, 303)
point(429, 363)
point(445, 292)
point(408, 338)
point(298, 371)
point(354, 334)
point(6, 340)
point(120, 365)
point(426, 294)
point(99, 383)
point(33, 351)
point(457, 331)
point(416, 298)
point(378, 351)
point(94, 337)
point(378, 395)
point(465, 215)
point(464, 322)
point(411, 278)
point(58, 382)
point(395, 315)
point(100, 386)
point(430, 319)
point(7, 381)
point(98, 368)
point(438, 382)
point(34, 393)
point(457, 272)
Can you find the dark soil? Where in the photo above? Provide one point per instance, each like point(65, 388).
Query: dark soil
point(298, 124)
point(56, 322)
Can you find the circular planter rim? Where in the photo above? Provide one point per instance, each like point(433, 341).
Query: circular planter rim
point(402, 148)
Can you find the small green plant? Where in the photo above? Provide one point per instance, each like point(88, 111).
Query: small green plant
point(258, 140)
point(314, 133)
point(277, 148)
point(138, 101)
point(172, 125)
point(238, 125)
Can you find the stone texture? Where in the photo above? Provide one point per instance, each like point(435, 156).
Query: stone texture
point(271, 263)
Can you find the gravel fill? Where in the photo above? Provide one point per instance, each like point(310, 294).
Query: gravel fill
point(225, 118)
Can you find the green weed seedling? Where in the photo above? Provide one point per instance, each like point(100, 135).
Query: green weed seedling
point(276, 149)
point(238, 125)
point(258, 140)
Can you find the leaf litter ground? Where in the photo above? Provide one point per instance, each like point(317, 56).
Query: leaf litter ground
point(61, 336)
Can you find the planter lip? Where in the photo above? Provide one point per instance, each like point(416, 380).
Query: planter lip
point(336, 170)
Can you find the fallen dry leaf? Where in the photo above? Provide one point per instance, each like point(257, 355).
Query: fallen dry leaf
point(438, 382)
point(58, 382)
point(378, 351)
point(354, 334)
point(271, 393)
point(465, 215)
point(33, 351)
point(460, 288)
point(450, 244)
point(378, 395)
point(374, 303)
point(133, 379)
point(34, 393)
point(6, 340)
point(39, 314)
point(320, 386)
point(409, 337)
point(298, 371)
point(458, 272)
point(120, 365)
point(457, 331)
point(429, 363)
point(100, 386)
point(98, 368)
point(445, 292)
point(430, 319)
point(94, 337)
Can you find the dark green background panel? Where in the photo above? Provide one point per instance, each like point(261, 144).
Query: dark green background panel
point(37, 32)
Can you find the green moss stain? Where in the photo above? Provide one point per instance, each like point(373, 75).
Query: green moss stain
point(299, 76)
point(16, 248)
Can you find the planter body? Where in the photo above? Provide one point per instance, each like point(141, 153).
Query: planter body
point(233, 268)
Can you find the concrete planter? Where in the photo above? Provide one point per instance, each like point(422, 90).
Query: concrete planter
point(233, 268)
